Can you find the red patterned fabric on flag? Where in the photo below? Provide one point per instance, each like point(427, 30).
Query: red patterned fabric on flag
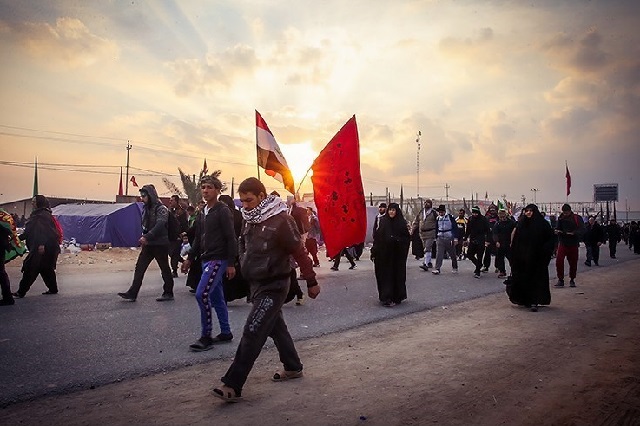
point(120, 186)
point(270, 157)
point(568, 176)
point(338, 191)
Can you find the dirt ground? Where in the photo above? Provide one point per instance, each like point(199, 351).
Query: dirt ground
point(482, 362)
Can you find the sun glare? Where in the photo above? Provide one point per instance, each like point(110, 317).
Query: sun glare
point(299, 157)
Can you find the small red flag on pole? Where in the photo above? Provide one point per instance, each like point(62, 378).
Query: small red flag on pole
point(133, 181)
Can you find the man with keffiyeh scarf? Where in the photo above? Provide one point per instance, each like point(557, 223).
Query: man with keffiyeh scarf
point(269, 237)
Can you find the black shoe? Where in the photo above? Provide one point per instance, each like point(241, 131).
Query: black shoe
point(485, 269)
point(127, 296)
point(165, 297)
point(424, 267)
point(316, 265)
point(587, 263)
point(572, 283)
point(429, 265)
point(50, 292)
point(596, 263)
point(7, 301)
point(352, 267)
point(222, 338)
point(333, 268)
point(476, 275)
point(17, 295)
point(534, 308)
point(204, 343)
point(560, 283)
point(192, 290)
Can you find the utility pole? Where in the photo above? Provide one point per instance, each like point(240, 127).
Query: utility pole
point(418, 165)
point(446, 192)
point(126, 192)
point(535, 191)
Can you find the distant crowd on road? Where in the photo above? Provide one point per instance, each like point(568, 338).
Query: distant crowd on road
point(254, 252)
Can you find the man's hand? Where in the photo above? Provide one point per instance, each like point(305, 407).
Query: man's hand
point(142, 241)
point(231, 272)
point(186, 264)
point(497, 244)
point(314, 291)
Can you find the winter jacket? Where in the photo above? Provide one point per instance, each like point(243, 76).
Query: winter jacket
point(215, 237)
point(425, 223)
point(265, 248)
point(155, 219)
point(478, 229)
point(502, 231)
point(572, 223)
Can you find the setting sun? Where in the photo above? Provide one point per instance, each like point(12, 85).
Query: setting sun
point(299, 157)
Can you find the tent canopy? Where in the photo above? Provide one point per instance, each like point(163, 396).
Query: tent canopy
point(118, 224)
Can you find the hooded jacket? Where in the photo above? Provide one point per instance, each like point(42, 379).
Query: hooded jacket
point(155, 219)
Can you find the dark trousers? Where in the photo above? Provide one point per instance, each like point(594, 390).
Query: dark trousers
point(336, 260)
point(312, 247)
point(593, 253)
point(264, 320)
point(612, 248)
point(174, 254)
point(5, 284)
point(474, 254)
point(39, 264)
point(194, 275)
point(147, 254)
point(571, 253)
point(488, 251)
point(502, 253)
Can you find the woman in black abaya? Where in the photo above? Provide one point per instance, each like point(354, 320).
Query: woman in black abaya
point(389, 254)
point(531, 249)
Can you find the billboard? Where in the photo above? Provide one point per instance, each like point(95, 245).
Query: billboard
point(605, 192)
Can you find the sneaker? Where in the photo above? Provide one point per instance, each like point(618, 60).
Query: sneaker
point(485, 269)
point(204, 343)
point(165, 297)
point(587, 263)
point(316, 265)
point(352, 267)
point(424, 267)
point(127, 296)
point(534, 308)
point(388, 304)
point(454, 271)
point(333, 268)
point(49, 292)
point(560, 283)
point(222, 338)
point(7, 301)
point(192, 290)
point(476, 275)
point(502, 275)
point(572, 283)
point(300, 301)
point(17, 295)
point(436, 272)
point(429, 265)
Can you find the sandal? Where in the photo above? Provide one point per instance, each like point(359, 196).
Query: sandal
point(227, 394)
point(283, 375)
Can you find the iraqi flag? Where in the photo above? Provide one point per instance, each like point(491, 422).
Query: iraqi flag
point(270, 157)
point(338, 191)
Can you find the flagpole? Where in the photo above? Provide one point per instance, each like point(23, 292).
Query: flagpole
point(257, 162)
point(35, 178)
point(297, 194)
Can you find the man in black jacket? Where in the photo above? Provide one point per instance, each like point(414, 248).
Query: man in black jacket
point(614, 235)
point(477, 235)
point(269, 237)
point(155, 245)
point(593, 239)
point(569, 230)
point(215, 247)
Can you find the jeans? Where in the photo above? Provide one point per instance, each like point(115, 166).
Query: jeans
point(147, 254)
point(210, 293)
point(264, 320)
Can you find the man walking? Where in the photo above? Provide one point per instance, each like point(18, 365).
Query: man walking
point(614, 236)
point(569, 228)
point(502, 239)
point(446, 240)
point(269, 237)
point(478, 233)
point(593, 238)
point(175, 209)
point(425, 224)
point(215, 247)
point(155, 245)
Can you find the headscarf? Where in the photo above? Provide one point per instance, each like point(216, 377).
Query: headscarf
point(395, 228)
point(267, 208)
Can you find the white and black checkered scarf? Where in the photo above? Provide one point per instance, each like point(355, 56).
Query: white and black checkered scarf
point(267, 208)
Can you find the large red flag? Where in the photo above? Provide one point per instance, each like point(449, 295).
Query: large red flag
point(568, 176)
point(270, 157)
point(338, 191)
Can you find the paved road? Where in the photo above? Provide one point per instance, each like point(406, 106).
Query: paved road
point(87, 336)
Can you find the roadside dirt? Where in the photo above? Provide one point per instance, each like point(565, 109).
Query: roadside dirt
point(482, 362)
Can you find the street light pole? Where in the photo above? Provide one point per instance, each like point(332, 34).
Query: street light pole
point(534, 190)
point(418, 165)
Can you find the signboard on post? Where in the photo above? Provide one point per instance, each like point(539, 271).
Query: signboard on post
point(605, 192)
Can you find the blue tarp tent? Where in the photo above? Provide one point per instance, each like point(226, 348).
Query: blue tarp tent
point(118, 224)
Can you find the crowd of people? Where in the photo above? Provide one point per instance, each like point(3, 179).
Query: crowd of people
point(254, 252)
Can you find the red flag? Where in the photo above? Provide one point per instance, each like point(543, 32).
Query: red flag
point(338, 191)
point(133, 181)
point(270, 157)
point(568, 176)
point(120, 187)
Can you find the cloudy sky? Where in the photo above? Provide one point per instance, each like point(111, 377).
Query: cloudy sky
point(503, 92)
